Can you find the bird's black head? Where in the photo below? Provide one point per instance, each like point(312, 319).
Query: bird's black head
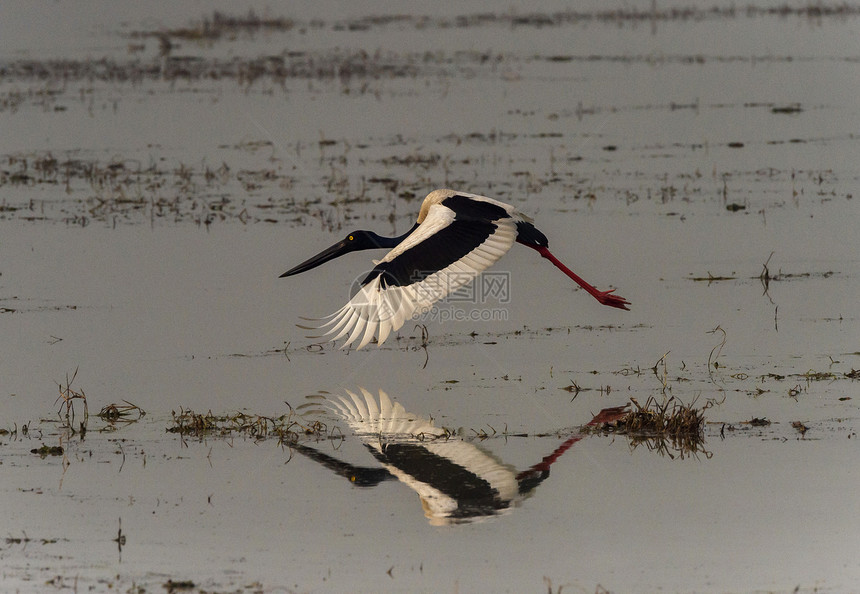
point(355, 241)
point(364, 240)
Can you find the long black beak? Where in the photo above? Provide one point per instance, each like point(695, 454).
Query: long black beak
point(338, 249)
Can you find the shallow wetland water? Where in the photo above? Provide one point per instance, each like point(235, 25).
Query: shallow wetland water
point(160, 166)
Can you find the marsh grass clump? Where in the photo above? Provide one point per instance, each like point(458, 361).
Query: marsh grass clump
point(188, 422)
point(121, 413)
point(665, 427)
point(817, 376)
point(286, 428)
point(671, 418)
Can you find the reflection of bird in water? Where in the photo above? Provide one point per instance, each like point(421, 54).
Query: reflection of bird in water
point(457, 236)
point(456, 480)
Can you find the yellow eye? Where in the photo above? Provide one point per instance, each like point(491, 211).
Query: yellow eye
point(350, 238)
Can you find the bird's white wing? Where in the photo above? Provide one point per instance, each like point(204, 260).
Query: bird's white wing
point(378, 309)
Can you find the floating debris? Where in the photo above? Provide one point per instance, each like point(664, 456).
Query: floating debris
point(759, 422)
point(787, 109)
point(712, 278)
point(45, 451)
point(179, 585)
point(801, 428)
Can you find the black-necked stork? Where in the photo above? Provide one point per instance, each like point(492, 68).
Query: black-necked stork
point(457, 236)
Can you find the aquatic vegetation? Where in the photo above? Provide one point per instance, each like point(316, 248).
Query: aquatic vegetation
point(69, 396)
point(121, 413)
point(172, 585)
point(45, 451)
point(287, 428)
point(666, 427)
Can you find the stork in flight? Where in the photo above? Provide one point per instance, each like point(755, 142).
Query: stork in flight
point(456, 237)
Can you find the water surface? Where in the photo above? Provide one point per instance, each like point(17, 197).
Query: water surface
point(160, 169)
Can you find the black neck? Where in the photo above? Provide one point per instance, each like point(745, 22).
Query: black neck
point(392, 242)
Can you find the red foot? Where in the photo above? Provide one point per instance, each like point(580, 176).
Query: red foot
point(606, 298)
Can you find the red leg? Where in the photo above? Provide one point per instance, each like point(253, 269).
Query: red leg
point(607, 415)
point(604, 297)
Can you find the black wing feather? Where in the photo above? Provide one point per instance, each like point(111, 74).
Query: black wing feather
point(529, 235)
point(439, 472)
point(472, 225)
point(434, 253)
point(475, 210)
